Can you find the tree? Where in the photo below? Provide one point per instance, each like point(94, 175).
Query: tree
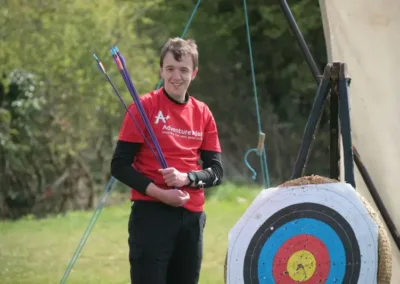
point(285, 86)
point(60, 117)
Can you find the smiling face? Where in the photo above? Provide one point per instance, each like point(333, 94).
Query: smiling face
point(177, 75)
point(178, 66)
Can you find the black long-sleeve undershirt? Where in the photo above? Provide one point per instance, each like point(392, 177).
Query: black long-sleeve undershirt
point(122, 170)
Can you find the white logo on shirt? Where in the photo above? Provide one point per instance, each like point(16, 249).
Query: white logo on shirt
point(183, 133)
point(174, 131)
point(161, 116)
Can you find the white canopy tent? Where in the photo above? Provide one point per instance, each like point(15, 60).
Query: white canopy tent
point(365, 35)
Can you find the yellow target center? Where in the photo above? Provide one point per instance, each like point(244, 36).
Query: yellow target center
point(301, 266)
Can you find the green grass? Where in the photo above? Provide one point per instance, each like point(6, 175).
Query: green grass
point(38, 251)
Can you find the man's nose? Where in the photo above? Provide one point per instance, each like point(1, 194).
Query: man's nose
point(176, 74)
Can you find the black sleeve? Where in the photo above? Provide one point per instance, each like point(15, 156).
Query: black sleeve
point(122, 169)
point(212, 172)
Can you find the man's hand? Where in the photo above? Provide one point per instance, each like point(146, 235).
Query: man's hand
point(173, 197)
point(173, 177)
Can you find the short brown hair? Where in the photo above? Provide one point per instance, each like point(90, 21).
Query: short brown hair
point(180, 47)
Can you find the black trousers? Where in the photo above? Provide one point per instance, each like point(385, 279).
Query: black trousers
point(165, 244)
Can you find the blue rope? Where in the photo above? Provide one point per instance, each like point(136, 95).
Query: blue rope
point(185, 30)
point(262, 154)
point(247, 163)
point(190, 19)
point(110, 186)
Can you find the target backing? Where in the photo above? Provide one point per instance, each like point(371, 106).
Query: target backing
point(318, 233)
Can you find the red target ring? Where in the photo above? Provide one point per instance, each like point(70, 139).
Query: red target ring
point(288, 255)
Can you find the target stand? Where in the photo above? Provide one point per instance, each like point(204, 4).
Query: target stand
point(312, 229)
point(307, 233)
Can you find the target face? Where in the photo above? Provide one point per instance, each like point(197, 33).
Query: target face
point(309, 234)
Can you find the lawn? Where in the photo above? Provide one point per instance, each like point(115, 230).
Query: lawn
point(38, 251)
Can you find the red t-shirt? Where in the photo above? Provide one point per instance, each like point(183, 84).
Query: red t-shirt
point(182, 130)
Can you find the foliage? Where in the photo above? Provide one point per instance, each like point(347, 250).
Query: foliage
point(59, 114)
point(285, 86)
point(59, 117)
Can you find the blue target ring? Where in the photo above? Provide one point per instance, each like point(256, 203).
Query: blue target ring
point(307, 226)
point(321, 223)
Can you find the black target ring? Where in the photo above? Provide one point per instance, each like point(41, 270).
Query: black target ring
point(288, 216)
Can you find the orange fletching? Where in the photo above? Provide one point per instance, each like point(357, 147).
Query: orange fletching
point(119, 64)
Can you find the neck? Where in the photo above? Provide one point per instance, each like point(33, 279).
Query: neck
point(180, 98)
point(177, 99)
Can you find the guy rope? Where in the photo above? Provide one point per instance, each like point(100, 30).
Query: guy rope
point(260, 150)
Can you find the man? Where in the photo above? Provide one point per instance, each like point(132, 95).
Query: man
point(167, 218)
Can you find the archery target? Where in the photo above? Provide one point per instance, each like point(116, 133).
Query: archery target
point(318, 233)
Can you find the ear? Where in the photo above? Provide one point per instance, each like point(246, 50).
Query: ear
point(194, 74)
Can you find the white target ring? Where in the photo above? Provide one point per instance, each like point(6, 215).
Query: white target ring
point(339, 236)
